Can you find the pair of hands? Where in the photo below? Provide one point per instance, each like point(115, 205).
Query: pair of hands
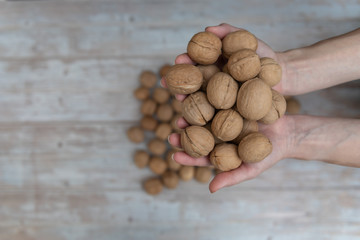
point(278, 132)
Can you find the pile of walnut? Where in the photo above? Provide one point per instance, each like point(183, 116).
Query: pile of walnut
point(160, 111)
point(230, 91)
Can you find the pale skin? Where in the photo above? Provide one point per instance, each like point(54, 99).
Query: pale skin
point(333, 140)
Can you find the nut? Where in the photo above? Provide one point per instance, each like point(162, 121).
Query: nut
point(253, 148)
point(208, 127)
point(148, 79)
point(221, 91)
point(254, 99)
point(161, 95)
point(141, 158)
point(164, 69)
point(227, 124)
point(204, 48)
point(157, 146)
point(148, 123)
point(203, 174)
point(153, 186)
point(142, 93)
point(248, 127)
point(277, 109)
point(292, 106)
point(172, 164)
point(164, 112)
point(163, 131)
point(148, 107)
point(197, 110)
point(177, 105)
point(244, 65)
point(136, 134)
point(270, 71)
point(207, 71)
point(170, 179)
point(157, 165)
point(187, 173)
point(238, 40)
point(183, 79)
point(197, 141)
point(225, 157)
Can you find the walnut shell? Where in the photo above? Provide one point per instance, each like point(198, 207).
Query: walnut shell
point(164, 69)
point(225, 157)
point(136, 134)
point(170, 179)
point(277, 109)
point(270, 71)
point(238, 40)
point(157, 146)
point(254, 99)
point(207, 71)
point(221, 91)
point(163, 131)
point(186, 173)
point(248, 127)
point(203, 174)
point(141, 93)
point(148, 123)
point(164, 112)
point(157, 165)
point(197, 141)
point(161, 95)
point(153, 186)
point(227, 124)
point(183, 79)
point(141, 158)
point(255, 147)
point(197, 110)
point(148, 107)
point(172, 164)
point(208, 127)
point(244, 65)
point(292, 106)
point(204, 48)
point(148, 79)
point(177, 105)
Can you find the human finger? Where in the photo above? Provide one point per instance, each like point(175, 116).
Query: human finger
point(184, 159)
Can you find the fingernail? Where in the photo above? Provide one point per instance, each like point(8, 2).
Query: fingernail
point(168, 138)
point(172, 156)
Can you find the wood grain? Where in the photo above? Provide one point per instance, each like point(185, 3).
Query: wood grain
point(67, 74)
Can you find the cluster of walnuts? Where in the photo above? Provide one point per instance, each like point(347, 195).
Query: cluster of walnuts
point(160, 112)
point(230, 91)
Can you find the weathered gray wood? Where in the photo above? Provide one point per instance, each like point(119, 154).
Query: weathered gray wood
point(67, 73)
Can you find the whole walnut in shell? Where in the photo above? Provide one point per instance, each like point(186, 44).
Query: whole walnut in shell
point(207, 71)
point(270, 71)
point(248, 127)
point(161, 95)
point(221, 91)
point(186, 173)
point(203, 174)
point(254, 99)
point(204, 48)
point(136, 134)
point(170, 179)
point(197, 141)
point(148, 123)
point(157, 146)
point(277, 109)
point(244, 65)
point(142, 93)
point(225, 157)
point(255, 147)
point(183, 79)
point(141, 158)
point(153, 186)
point(148, 107)
point(197, 110)
point(148, 79)
point(164, 112)
point(163, 131)
point(157, 165)
point(238, 40)
point(227, 124)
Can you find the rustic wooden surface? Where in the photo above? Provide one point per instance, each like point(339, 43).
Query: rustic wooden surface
point(67, 72)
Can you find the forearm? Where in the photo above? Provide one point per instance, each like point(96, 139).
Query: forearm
point(332, 140)
point(327, 63)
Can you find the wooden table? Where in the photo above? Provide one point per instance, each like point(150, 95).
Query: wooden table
point(67, 73)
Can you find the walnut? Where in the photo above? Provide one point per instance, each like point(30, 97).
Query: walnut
point(221, 91)
point(227, 124)
point(183, 79)
point(238, 40)
point(253, 148)
point(244, 65)
point(225, 157)
point(197, 110)
point(204, 48)
point(197, 141)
